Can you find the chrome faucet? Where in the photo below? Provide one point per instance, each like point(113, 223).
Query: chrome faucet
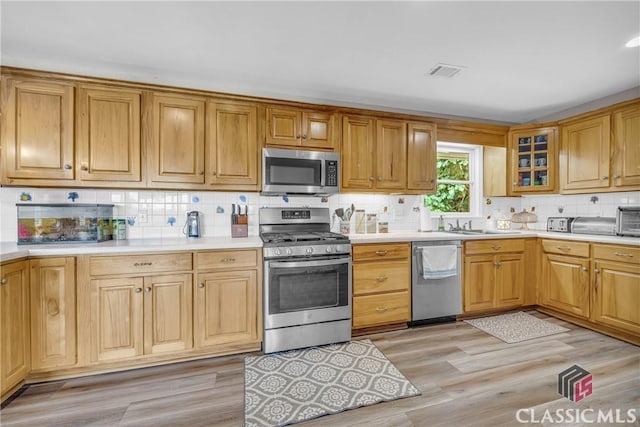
point(457, 227)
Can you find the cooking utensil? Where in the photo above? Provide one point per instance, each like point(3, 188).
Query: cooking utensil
point(340, 213)
point(347, 214)
point(353, 209)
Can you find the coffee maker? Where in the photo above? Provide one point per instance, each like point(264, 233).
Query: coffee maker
point(192, 226)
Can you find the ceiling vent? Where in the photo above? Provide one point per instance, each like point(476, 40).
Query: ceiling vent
point(445, 70)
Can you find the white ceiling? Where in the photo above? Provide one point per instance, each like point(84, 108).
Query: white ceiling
point(525, 60)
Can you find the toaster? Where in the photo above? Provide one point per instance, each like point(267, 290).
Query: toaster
point(628, 221)
point(559, 224)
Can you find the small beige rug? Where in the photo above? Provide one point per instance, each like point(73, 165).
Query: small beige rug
point(298, 385)
point(516, 327)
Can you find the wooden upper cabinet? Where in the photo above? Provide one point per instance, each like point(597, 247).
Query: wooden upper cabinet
point(37, 130)
point(177, 139)
point(421, 157)
point(300, 128)
point(585, 154)
point(391, 155)
point(358, 142)
point(232, 143)
point(626, 147)
point(109, 134)
point(532, 160)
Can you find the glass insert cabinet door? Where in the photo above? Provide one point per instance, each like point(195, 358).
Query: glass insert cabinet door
point(533, 157)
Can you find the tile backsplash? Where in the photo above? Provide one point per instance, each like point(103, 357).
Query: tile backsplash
point(161, 214)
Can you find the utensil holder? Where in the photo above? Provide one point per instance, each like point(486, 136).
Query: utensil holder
point(239, 230)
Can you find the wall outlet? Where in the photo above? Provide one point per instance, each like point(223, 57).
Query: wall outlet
point(142, 216)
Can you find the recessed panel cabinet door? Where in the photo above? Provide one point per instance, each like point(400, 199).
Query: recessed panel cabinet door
point(391, 155)
point(109, 134)
point(421, 157)
point(318, 130)
point(626, 171)
point(14, 324)
point(284, 126)
point(232, 141)
point(116, 318)
point(357, 153)
point(509, 280)
point(479, 282)
point(53, 312)
point(37, 129)
point(617, 295)
point(178, 140)
point(565, 284)
point(585, 154)
point(226, 308)
point(167, 313)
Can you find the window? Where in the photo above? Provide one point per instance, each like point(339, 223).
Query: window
point(459, 185)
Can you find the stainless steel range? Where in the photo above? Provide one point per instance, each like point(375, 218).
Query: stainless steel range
point(307, 279)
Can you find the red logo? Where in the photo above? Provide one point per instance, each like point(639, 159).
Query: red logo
point(575, 383)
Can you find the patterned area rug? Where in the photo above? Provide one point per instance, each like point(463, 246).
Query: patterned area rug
point(516, 327)
point(298, 385)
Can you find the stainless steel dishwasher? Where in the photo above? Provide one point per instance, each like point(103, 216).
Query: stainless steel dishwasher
point(435, 300)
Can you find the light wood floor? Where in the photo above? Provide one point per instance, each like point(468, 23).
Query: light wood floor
point(467, 378)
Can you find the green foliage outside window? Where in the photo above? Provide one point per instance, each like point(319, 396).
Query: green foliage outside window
point(451, 196)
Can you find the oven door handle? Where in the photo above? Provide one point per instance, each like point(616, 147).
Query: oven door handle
point(317, 263)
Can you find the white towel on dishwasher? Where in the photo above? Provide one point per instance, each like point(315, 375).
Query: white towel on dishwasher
point(439, 261)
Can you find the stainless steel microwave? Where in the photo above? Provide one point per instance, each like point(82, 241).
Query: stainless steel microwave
point(300, 172)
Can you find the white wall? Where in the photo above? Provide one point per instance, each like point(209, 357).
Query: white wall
point(401, 210)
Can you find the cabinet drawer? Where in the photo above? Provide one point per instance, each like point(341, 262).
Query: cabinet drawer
point(565, 247)
point(371, 310)
point(227, 259)
point(111, 265)
point(493, 246)
point(628, 254)
point(381, 277)
point(378, 252)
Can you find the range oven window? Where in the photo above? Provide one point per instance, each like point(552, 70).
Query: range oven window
point(307, 288)
point(285, 171)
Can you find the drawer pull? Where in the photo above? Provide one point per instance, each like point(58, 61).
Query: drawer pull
point(496, 247)
point(563, 248)
point(141, 264)
point(381, 278)
point(623, 255)
point(228, 260)
point(3, 281)
point(381, 309)
point(382, 253)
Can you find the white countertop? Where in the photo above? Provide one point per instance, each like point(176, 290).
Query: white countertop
point(10, 250)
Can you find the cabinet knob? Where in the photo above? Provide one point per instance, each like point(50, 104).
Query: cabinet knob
point(67, 166)
point(84, 167)
point(616, 176)
point(200, 172)
point(147, 289)
point(585, 269)
point(214, 173)
point(304, 136)
point(138, 290)
point(379, 178)
point(603, 177)
point(297, 135)
point(3, 281)
point(371, 178)
point(201, 285)
point(498, 264)
point(596, 271)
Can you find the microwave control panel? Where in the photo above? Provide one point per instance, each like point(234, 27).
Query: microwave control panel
point(331, 178)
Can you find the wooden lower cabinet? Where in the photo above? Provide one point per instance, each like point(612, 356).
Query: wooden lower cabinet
point(616, 281)
point(494, 279)
point(14, 325)
point(132, 316)
point(53, 312)
point(381, 284)
point(565, 284)
point(225, 308)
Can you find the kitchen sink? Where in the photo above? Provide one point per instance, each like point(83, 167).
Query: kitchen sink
point(480, 232)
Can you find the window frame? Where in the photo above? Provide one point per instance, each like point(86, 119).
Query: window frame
point(475, 177)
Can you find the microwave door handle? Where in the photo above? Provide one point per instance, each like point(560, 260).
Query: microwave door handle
point(318, 263)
